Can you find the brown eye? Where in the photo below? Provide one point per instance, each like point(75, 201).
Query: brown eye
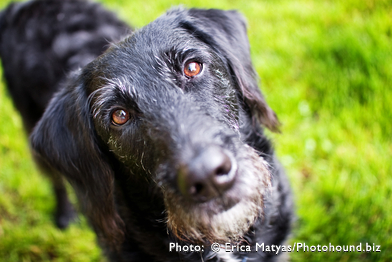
point(192, 69)
point(120, 117)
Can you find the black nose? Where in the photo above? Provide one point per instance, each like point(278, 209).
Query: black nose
point(207, 176)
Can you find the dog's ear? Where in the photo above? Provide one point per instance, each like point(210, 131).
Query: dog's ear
point(65, 139)
point(225, 31)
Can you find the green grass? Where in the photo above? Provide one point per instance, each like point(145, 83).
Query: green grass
point(325, 68)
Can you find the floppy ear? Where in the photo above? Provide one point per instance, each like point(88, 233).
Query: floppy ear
point(65, 139)
point(225, 31)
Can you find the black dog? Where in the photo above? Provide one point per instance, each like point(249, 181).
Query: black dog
point(160, 136)
point(39, 42)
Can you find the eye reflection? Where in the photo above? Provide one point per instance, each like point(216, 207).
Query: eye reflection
point(120, 117)
point(192, 69)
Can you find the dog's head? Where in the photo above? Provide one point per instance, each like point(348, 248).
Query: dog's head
point(172, 106)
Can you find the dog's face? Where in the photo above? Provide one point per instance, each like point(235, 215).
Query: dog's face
point(173, 105)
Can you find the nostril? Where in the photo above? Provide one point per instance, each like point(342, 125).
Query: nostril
point(225, 166)
point(224, 174)
point(196, 189)
point(221, 171)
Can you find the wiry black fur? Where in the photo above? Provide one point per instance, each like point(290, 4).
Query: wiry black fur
point(40, 43)
point(127, 177)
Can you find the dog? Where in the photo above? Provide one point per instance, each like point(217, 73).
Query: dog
point(160, 133)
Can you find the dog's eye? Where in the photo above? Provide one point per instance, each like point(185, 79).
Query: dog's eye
point(192, 69)
point(120, 117)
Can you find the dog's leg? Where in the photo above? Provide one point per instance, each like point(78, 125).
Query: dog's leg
point(65, 212)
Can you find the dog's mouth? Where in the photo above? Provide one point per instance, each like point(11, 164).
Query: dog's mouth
point(227, 217)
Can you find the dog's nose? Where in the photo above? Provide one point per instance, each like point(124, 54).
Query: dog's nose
point(207, 176)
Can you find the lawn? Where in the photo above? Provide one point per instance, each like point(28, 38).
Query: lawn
point(325, 68)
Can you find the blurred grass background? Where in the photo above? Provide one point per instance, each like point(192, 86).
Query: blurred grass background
point(325, 68)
